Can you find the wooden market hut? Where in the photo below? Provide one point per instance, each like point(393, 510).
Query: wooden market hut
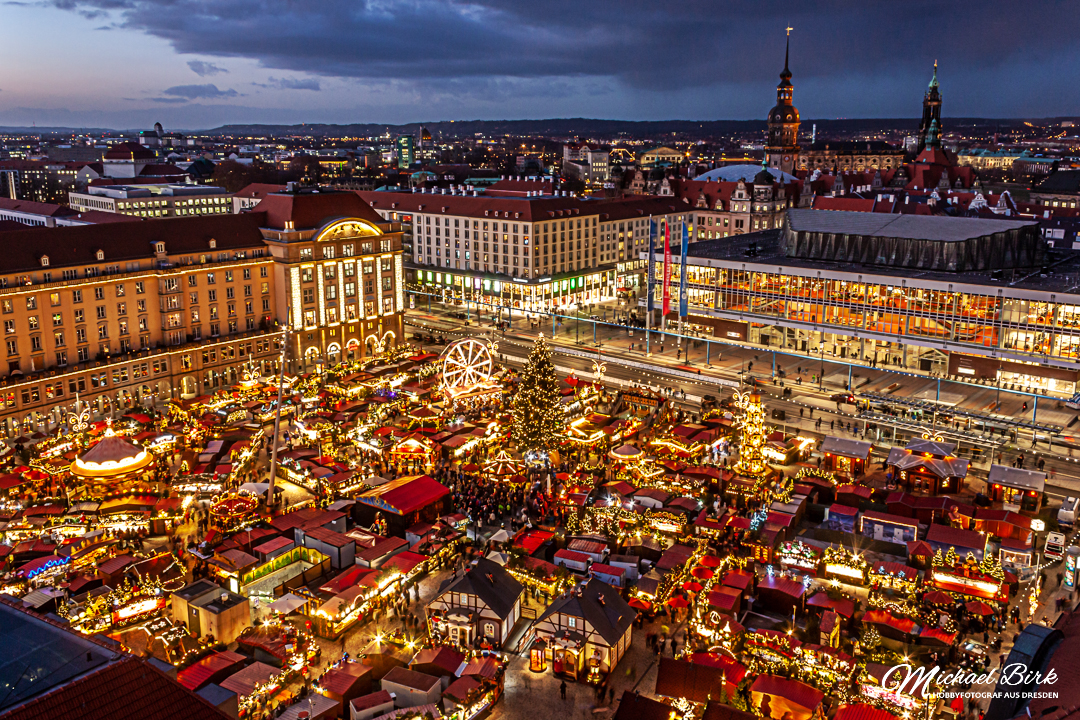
point(928, 465)
point(780, 595)
point(845, 457)
point(1016, 489)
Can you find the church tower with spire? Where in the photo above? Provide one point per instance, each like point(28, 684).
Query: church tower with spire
point(782, 149)
point(931, 110)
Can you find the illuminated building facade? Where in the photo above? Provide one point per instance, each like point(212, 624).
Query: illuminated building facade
point(815, 291)
point(531, 252)
point(125, 314)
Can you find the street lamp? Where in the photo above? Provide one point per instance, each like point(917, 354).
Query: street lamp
point(821, 374)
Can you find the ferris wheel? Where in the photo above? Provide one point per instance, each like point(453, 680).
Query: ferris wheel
point(467, 363)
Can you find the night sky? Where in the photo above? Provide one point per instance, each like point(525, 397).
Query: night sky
point(201, 63)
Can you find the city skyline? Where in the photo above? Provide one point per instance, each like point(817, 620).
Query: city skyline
point(195, 66)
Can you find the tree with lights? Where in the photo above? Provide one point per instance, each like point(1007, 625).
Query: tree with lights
point(752, 434)
point(537, 414)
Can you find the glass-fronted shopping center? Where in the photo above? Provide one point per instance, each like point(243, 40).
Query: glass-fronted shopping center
point(1019, 325)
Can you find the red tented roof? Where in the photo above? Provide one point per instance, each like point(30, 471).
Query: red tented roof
point(271, 545)
point(572, 556)
point(404, 561)
point(858, 711)
point(245, 681)
point(405, 495)
point(958, 538)
point(195, 676)
point(607, 569)
point(531, 540)
point(792, 690)
point(340, 682)
point(838, 509)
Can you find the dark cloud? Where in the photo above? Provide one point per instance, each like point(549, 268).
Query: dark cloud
point(643, 43)
point(199, 92)
point(205, 69)
point(290, 83)
point(650, 54)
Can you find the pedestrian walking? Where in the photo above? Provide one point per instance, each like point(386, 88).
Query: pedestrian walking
point(562, 689)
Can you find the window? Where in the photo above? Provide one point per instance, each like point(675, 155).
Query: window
point(121, 309)
point(57, 319)
point(211, 295)
point(140, 288)
point(101, 312)
point(54, 299)
point(12, 347)
point(79, 316)
point(33, 322)
point(31, 303)
point(103, 332)
point(120, 290)
point(58, 339)
point(305, 254)
point(309, 295)
point(210, 280)
point(80, 335)
point(76, 296)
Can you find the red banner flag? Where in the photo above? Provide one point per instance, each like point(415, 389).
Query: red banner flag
point(667, 269)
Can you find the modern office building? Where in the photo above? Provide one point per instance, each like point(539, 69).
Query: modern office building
point(968, 298)
point(125, 314)
point(154, 200)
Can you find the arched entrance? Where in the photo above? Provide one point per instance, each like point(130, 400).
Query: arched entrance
point(189, 387)
point(333, 354)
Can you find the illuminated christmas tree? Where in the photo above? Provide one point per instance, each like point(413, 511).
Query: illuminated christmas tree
point(752, 433)
point(538, 422)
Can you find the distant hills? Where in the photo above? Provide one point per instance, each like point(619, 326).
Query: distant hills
point(582, 127)
point(589, 127)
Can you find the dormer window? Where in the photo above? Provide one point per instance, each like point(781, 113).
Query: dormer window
point(100, 255)
point(44, 261)
point(159, 247)
point(213, 245)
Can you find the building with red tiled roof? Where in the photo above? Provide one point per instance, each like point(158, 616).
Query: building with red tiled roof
point(159, 276)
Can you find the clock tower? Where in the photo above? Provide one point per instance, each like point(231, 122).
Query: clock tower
point(782, 148)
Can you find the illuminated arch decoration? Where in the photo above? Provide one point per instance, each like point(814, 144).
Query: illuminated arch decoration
point(353, 343)
point(79, 421)
point(347, 228)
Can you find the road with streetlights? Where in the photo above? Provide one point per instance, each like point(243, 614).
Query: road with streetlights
point(675, 366)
